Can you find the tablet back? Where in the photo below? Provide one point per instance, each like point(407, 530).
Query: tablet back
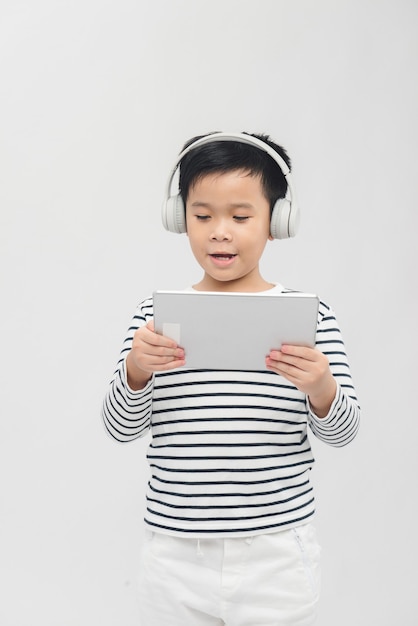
point(234, 331)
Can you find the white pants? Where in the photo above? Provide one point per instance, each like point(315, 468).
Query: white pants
point(266, 580)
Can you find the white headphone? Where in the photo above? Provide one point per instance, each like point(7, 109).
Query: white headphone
point(285, 215)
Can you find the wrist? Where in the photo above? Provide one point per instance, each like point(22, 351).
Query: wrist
point(135, 376)
point(321, 402)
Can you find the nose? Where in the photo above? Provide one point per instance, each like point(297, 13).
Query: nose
point(220, 231)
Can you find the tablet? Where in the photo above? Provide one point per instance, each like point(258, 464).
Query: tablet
point(234, 331)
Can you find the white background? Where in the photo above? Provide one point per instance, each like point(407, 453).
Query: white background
point(97, 99)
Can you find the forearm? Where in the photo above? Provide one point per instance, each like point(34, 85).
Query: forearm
point(127, 405)
point(339, 427)
point(126, 412)
point(321, 401)
point(339, 424)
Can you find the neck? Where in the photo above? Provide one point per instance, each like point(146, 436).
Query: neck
point(239, 285)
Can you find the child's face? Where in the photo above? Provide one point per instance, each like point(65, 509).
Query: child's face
point(228, 225)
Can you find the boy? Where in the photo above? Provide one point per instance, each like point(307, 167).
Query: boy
point(229, 514)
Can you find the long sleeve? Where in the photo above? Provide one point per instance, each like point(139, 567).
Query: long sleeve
point(127, 413)
point(341, 424)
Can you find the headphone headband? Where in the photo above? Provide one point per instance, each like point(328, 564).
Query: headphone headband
point(283, 224)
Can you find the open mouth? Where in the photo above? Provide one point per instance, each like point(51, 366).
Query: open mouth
point(223, 257)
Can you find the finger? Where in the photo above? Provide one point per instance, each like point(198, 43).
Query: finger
point(167, 354)
point(304, 352)
point(282, 370)
point(153, 352)
point(151, 338)
point(285, 369)
point(158, 353)
point(164, 363)
point(287, 360)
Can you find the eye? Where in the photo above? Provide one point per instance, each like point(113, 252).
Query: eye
point(202, 218)
point(241, 218)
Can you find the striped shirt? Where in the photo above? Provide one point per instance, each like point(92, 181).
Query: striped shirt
point(229, 452)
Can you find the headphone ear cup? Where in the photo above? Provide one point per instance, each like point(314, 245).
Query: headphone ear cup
point(284, 219)
point(294, 219)
point(174, 215)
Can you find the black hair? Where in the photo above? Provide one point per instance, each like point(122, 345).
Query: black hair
point(226, 156)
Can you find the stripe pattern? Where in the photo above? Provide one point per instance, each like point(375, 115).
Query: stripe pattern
point(229, 453)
